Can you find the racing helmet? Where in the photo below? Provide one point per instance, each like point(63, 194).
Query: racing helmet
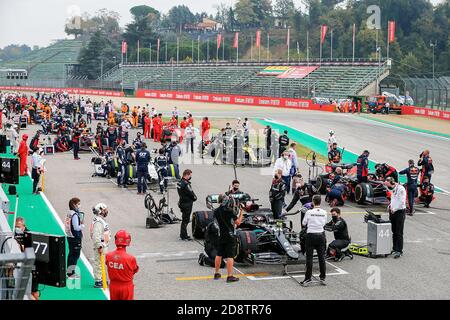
point(122, 238)
point(98, 208)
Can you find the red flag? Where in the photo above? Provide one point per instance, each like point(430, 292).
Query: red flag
point(258, 38)
point(236, 40)
point(219, 40)
point(288, 37)
point(323, 33)
point(159, 42)
point(391, 31)
point(124, 47)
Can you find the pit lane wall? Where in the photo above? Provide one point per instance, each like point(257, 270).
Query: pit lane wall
point(424, 112)
point(234, 99)
point(94, 92)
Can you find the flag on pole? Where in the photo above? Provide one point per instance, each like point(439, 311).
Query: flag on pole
point(124, 47)
point(298, 48)
point(219, 40)
point(323, 33)
point(391, 31)
point(138, 51)
point(354, 41)
point(288, 40)
point(236, 40)
point(258, 38)
point(158, 44)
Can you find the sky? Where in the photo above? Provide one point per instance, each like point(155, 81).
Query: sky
point(39, 22)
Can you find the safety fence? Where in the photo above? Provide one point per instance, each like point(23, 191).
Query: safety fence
point(234, 99)
point(15, 265)
point(259, 101)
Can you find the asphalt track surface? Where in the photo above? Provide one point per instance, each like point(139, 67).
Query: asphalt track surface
point(169, 268)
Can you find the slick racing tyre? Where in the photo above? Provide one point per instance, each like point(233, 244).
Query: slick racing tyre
point(363, 191)
point(200, 221)
point(246, 244)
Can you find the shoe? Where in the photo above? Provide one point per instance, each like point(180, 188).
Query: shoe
point(397, 255)
point(410, 214)
point(306, 282)
point(217, 276)
point(187, 239)
point(427, 206)
point(322, 282)
point(98, 284)
point(232, 279)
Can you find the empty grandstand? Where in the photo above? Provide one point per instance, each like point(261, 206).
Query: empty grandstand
point(327, 80)
point(50, 63)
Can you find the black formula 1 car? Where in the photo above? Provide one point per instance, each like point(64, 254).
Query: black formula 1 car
point(259, 238)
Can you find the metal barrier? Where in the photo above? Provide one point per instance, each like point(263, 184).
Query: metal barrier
point(15, 265)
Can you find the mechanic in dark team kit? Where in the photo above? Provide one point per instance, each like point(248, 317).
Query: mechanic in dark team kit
point(427, 165)
point(362, 166)
point(412, 174)
point(338, 226)
point(276, 194)
point(187, 199)
point(121, 268)
point(283, 142)
point(426, 192)
point(142, 160)
point(383, 171)
point(334, 155)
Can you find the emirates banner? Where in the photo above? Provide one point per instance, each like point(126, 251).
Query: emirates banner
point(78, 91)
point(234, 99)
point(424, 112)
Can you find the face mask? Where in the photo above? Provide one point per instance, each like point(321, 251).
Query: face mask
point(286, 157)
point(190, 178)
point(335, 218)
point(18, 231)
point(276, 177)
point(236, 189)
point(391, 187)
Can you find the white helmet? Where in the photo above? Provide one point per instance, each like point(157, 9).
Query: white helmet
point(98, 208)
point(331, 132)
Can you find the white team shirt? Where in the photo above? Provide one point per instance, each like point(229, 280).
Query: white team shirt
point(315, 219)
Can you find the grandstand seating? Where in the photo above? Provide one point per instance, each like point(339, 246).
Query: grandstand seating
point(328, 81)
point(49, 62)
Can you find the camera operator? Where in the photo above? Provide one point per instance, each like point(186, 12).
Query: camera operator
point(227, 218)
point(338, 226)
point(315, 220)
point(19, 234)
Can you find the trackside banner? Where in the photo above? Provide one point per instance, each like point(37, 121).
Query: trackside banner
point(93, 92)
point(424, 112)
point(233, 99)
